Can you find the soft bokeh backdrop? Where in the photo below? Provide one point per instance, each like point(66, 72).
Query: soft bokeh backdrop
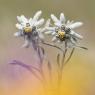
point(79, 75)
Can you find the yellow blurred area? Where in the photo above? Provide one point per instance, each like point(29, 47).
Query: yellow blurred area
point(79, 73)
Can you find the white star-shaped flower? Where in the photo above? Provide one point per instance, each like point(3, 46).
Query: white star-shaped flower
point(30, 29)
point(63, 31)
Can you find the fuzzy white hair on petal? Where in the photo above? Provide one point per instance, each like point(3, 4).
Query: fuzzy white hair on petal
point(47, 23)
point(19, 19)
point(53, 33)
point(50, 28)
point(54, 18)
point(48, 32)
point(76, 35)
point(62, 18)
point(24, 19)
point(58, 24)
point(19, 26)
point(40, 22)
point(54, 39)
point(37, 15)
point(75, 25)
point(17, 34)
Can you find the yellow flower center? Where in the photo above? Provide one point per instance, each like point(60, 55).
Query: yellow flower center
point(61, 34)
point(27, 29)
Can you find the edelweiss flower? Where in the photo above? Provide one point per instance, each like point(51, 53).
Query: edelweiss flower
point(30, 28)
point(62, 31)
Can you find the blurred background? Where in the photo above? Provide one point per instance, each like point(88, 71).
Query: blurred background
point(79, 75)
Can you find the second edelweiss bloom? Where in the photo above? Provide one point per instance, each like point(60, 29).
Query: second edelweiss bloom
point(62, 31)
point(30, 28)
